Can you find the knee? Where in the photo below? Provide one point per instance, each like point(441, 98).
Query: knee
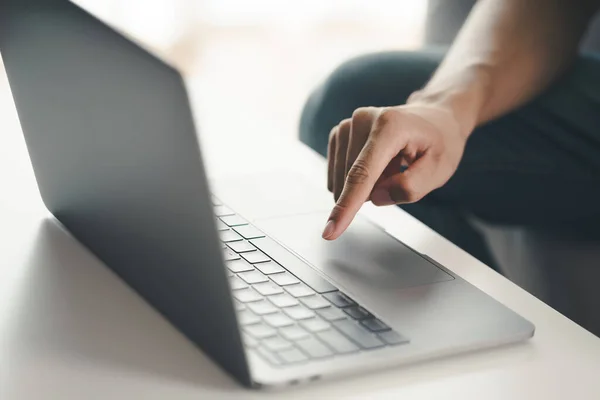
point(328, 105)
point(380, 79)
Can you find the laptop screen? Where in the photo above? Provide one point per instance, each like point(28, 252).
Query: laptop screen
point(112, 141)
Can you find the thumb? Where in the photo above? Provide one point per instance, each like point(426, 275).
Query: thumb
point(409, 186)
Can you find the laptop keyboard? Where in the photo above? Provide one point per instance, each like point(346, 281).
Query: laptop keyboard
point(288, 313)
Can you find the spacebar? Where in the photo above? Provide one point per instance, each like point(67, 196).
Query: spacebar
point(293, 264)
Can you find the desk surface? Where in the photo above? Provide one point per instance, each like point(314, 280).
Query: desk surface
point(69, 328)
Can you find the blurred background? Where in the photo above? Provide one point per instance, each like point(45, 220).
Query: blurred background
point(250, 65)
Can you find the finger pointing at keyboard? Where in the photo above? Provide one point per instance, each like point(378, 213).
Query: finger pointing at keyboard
point(390, 155)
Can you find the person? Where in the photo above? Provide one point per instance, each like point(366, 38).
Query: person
point(504, 127)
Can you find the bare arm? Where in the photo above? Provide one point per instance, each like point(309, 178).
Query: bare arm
point(507, 52)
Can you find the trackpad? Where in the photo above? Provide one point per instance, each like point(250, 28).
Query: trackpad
point(364, 252)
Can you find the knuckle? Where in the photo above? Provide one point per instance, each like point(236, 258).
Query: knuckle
point(338, 210)
point(407, 192)
point(409, 189)
point(358, 173)
point(361, 114)
point(382, 123)
point(345, 125)
point(387, 116)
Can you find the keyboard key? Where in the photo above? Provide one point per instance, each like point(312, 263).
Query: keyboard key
point(393, 338)
point(260, 331)
point(229, 255)
point(236, 283)
point(278, 320)
point(252, 277)
point(247, 317)
point(339, 299)
point(299, 312)
point(241, 246)
point(331, 314)
point(314, 348)
point(238, 266)
point(246, 295)
point(338, 342)
point(269, 268)
point(229, 236)
point(277, 343)
point(357, 312)
point(221, 211)
point(229, 274)
point(292, 356)
point(358, 334)
point(374, 325)
point(254, 257)
point(249, 232)
point(293, 264)
point(239, 306)
point(315, 325)
point(294, 333)
point(284, 279)
point(262, 307)
point(221, 226)
point(314, 302)
point(233, 220)
point(283, 300)
point(249, 341)
point(300, 290)
point(267, 288)
point(268, 356)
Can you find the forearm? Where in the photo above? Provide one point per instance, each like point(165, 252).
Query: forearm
point(507, 52)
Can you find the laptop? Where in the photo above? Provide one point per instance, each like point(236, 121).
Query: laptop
point(113, 143)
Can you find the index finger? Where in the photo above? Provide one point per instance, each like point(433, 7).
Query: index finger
point(362, 176)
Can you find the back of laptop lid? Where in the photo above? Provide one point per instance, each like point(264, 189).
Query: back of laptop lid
point(111, 137)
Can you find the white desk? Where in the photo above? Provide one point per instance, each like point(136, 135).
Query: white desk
point(70, 329)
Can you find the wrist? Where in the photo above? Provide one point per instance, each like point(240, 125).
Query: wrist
point(462, 96)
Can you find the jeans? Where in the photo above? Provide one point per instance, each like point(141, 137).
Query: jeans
point(537, 167)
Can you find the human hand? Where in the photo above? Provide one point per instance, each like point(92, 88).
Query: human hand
point(390, 155)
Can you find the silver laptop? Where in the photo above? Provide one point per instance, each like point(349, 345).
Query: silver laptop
point(112, 140)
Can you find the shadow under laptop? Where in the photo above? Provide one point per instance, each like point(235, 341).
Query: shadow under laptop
point(69, 307)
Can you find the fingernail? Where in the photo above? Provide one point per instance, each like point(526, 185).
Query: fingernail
point(329, 228)
point(381, 198)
